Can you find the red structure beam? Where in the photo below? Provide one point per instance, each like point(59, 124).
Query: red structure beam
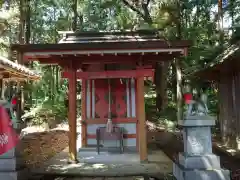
point(112, 74)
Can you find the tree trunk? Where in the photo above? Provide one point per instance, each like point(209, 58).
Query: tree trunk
point(179, 90)
point(161, 85)
point(237, 96)
point(28, 22)
point(75, 17)
point(178, 68)
point(20, 58)
point(232, 11)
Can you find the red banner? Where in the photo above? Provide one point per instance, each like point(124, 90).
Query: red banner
point(8, 136)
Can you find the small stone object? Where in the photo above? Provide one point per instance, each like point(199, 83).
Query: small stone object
point(197, 107)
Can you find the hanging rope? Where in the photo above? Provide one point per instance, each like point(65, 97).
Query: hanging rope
point(109, 126)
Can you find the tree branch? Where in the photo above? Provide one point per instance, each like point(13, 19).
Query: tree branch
point(148, 1)
point(133, 8)
point(147, 16)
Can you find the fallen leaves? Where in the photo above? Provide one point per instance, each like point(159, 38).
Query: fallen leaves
point(36, 148)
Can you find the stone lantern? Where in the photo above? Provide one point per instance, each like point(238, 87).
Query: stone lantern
point(198, 161)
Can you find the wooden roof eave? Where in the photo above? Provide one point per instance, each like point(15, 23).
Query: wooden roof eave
point(222, 63)
point(51, 54)
point(103, 46)
point(19, 76)
point(17, 71)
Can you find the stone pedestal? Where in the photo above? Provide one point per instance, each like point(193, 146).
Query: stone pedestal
point(197, 161)
point(12, 166)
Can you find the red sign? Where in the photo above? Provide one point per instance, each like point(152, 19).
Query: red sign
point(8, 136)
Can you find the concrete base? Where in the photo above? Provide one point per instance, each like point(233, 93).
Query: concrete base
point(12, 166)
point(10, 154)
point(208, 161)
point(182, 173)
point(15, 175)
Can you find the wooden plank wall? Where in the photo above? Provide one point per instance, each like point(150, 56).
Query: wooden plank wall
point(229, 108)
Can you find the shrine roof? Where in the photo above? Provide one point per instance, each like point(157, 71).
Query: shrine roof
point(15, 71)
point(224, 63)
point(90, 41)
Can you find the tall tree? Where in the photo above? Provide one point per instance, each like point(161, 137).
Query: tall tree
point(75, 15)
point(143, 8)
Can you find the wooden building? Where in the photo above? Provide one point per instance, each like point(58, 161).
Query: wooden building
point(14, 72)
point(10, 73)
point(224, 71)
point(112, 67)
point(10, 70)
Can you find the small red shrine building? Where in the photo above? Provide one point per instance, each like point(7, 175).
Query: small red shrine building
point(125, 58)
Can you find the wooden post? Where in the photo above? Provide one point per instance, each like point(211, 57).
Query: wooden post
point(19, 102)
point(83, 114)
point(141, 120)
point(3, 89)
point(72, 115)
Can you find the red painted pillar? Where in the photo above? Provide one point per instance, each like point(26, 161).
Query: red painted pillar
point(72, 114)
point(141, 120)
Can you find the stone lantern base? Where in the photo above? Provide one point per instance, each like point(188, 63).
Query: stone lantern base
point(197, 161)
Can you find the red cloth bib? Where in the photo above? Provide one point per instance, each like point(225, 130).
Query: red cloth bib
point(14, 101)
point(8, 136)
point(188, 97)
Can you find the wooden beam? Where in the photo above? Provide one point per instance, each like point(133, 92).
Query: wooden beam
point(112, 74)
point(83, 118)
point(84, 60)
point(72, 115)
point(141, 120)
point(125, 136)
point(105, 58)
point(115, 121)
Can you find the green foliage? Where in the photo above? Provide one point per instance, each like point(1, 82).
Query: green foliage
point(46, 112)
point(236, 35)
point(197, 23)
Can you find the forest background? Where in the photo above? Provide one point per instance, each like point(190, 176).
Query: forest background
point(38, 21)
